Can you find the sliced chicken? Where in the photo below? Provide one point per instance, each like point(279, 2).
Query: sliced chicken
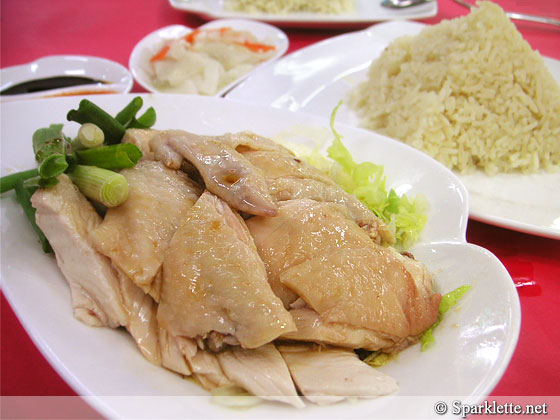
point(312, 328)
point(225, 171)
point(302, 230)
point(214, 280)
point(203, 364)
point(315, 251)
point(66, 217)
point(142, 321)
point(261, 371)
point(289, 178)
point(136, 234)
point(365, 288)
point(327, 375)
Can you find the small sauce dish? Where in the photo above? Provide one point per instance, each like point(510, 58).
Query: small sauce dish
point(63, 75)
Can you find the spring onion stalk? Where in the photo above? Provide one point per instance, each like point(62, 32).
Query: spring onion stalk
point(49, 141)
point(90, 135)
point(88, 112)
point(116, 156)
point(146, 120)
point(102, 185)
point(38, 182)
point(23, 197)
point(9, 182)
point(53, 166)
point(128, 113)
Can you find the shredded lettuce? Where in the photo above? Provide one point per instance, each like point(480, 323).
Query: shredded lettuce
point(447, 301)
point(378, 358)
point(366, 180)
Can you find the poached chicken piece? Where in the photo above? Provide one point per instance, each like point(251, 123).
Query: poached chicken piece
point(214, 280)
point(316, 252)
point(136, 234)
point(224, 170)
point(328, 375)
point(66, 217)
point(289, 178)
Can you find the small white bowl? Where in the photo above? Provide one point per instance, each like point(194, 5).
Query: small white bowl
point(152, 43)
point(116, 78)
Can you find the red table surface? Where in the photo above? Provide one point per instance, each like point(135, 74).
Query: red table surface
point(107, 28)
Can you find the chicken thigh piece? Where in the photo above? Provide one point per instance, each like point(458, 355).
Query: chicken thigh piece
point(316, 252)
point(289, 178)
point(302, 230)
point(225, 171)
point(136, 234)
point(215, 281)
point(66, 217)
point(327, 375)
point(312, 328)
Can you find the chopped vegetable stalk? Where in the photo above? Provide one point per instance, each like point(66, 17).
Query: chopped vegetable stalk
point(90, 135)
point(102, 185)
point(49, 141)
point(38, 182)
point(88, 112)
point(146, 120)
point(8, 182)
point(127, 114)
point(53, 166)
point(447, 301)
point(116, 156)
point(23, 196)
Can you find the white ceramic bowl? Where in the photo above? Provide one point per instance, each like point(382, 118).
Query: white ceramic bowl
point(116, 78)
point(152, 43)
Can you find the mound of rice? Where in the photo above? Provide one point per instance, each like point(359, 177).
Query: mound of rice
point(470, 92)
point(282, 7)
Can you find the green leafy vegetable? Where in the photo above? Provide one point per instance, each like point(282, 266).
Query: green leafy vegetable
point(366, 180)
point(447, 301)
point(23, 196)
point(378, 358)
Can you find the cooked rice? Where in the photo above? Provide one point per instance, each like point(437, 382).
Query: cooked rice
point(282, 7)
point(470, 92)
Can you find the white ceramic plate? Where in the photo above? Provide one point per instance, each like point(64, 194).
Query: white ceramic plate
point(314, 79)
point(473, 346)
point(152, 43)
point(115, 78)
point(366, 11)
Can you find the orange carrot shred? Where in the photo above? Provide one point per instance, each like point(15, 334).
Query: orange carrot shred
point(256, 47)
point(191, 36)
point(161, 54)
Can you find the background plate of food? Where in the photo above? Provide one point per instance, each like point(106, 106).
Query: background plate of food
point(473, 343)
point(504, 150)
point(209, 60)
point(305, 13)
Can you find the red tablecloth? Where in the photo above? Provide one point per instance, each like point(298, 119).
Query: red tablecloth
point(110, 28)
